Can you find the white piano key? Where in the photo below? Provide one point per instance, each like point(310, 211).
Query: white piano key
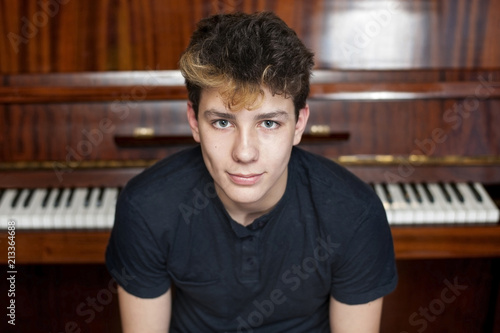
point(5, 206)
point(403, 213)
point(415, 205)
point(34, 208)
point(78, 209)
point(427, 207)
point(432, 212)
point(8, 208)
point(100, 212)
point(444, 205)
point(92, 209)
point(61, 217)
point(457, 205)
point(112, 208)
point(483, 216)
point(37, 209)
point(18, 212)
point(474, 212)
point(106, 213)
point(385, 202)
point(492, 212)
point(69, 210)
point(49, 211)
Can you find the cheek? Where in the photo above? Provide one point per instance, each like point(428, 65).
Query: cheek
point(214, 154)
point(277, 152)
point(278, 143)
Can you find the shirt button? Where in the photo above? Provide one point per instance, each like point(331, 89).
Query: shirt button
point(250, 261)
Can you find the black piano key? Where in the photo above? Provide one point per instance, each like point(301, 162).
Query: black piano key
point(46, 198)
point(1, 194)
point(475, 192)
point(428, 192)
point(416, 192)
point(57, 202)
point(13, 204)
point(447, 195)
point(88, 196)
point(387, 194)
point(27, 201)
point(457, 192)
point(406, 196)
point(70, 197)
point(100, 197)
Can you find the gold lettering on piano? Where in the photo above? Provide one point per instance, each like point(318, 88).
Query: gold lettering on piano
point(143, 132)
point(320, 130)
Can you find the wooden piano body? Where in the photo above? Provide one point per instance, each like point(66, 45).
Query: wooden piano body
point(399, 106)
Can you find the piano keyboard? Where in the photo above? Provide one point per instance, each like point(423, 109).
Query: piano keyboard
point(94, 208)
point(59, 208)
point(437, 203)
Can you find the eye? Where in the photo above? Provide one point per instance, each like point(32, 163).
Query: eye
point(270, 124)
point(221, 123)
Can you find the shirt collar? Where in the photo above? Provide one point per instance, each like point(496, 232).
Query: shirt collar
point(260, 222)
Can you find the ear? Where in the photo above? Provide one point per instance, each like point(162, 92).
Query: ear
point(193, 122)
point(300, 125)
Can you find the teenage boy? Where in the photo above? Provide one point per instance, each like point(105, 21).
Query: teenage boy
point(255, 234)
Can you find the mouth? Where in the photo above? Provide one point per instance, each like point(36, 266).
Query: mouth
point(245, 179)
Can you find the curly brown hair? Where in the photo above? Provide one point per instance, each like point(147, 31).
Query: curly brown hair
point(240, 53)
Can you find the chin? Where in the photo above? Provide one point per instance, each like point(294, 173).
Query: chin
point(244, 196)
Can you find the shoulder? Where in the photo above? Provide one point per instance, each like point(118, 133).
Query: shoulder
point(336, 192)
point(326, 175)
point(161, 188)
point(350, 216)
point(183, 162)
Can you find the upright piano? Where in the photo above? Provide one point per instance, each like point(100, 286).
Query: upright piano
point(430, 150)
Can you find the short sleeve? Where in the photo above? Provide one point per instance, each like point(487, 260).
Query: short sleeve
point(366, 269)
point(134, 257)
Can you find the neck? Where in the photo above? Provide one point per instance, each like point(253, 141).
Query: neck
point(246, 213)
point(246, 219)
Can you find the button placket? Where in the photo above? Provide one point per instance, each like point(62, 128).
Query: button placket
point(249, 259)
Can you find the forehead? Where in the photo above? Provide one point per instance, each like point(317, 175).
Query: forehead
point(212, 99)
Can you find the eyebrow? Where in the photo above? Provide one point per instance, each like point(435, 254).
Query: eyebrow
point(272, 115)
point(211, 113)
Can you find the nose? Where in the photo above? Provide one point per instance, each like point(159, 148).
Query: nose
point(245, 149)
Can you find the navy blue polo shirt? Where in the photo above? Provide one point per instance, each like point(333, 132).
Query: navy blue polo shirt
point(327, 236)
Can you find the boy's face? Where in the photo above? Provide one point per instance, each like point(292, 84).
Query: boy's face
point(247, 152)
